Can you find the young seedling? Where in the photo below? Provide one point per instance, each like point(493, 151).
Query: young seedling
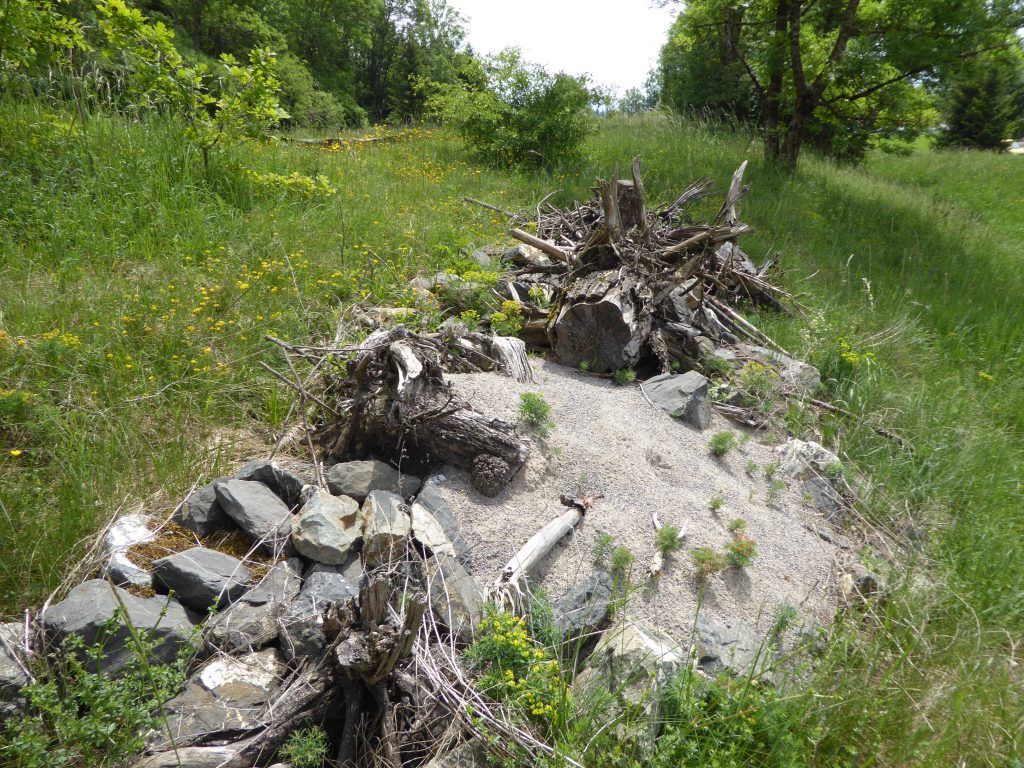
point(624, 376)
point(708, 561)
point(741, 551)
point(535, 411)
point(752, 468)
point(737, 525)
point(716, 503)
point(667, 539)
point(722, 443)
point(603, 546)
point(622, 563)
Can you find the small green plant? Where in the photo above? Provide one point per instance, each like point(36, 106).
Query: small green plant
point(471, 318)
point(751, 468)
point(585, 366)
point(667, 539)
point(305, 748)
point(708, 561)
point(722, 443)
point(80, 716)
point(715, 366)
point(603, 547)
point(756, 384)
point(535, 411)
point(512, 667)
point(770, 469)
point(622, 562)
point(716, 503)
point(775, 489)
point(741, 551)
point(624, 376)
point(833, 472)
point(508, 321)
point(538, 296)
point(737, 525)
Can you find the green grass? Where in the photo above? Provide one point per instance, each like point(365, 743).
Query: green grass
point(910, 269)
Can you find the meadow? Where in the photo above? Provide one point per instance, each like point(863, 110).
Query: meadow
point(136, 288)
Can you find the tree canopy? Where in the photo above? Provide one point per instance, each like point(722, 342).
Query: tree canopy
point(838, 73)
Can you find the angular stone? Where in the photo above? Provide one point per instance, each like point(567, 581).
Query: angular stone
point(90, 605)
point(430, 500)
point(635, 661)
point(455, 598)
point(126, 532)
point(202, 577)
point(470, 754)
point(794, 375)
point(683, 396)
point(858, 581)
point(124, 573)
point(12, 672)
point(301, 630)
point(729, 646)
point(258, 511)
point(287, 485)
point(251, 623)
point(327, 527)
point(429, 532)
point(358, 478)
point(387, 523)
point(227, 695)
point(203, 513)
point(581, 610)
point(799, 459)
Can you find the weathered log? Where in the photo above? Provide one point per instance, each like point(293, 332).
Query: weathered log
point(603, 322)
point(550, 249)
point(398, 399)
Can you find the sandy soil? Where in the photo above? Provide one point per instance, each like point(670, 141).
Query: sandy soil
point(610, 440)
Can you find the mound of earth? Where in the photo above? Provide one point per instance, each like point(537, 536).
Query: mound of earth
point(611, 441)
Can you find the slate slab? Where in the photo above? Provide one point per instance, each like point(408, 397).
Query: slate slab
point(258, 511)
point(683, 396)
point(358, 478)
point(202, 577)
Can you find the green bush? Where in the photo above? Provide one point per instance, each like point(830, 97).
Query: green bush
point(81, 717)
point(524, 117)
point(535, 411)
point(305, 748)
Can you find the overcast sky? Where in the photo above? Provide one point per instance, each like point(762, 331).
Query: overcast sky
point(616, 42)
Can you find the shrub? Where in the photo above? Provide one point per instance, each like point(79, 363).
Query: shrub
point(708, 561)
point(524, 117)
point(722, 443)
point(667, 539)
point(604, 546)
point(512, 668)
point(535, 411)
point(79, 716)
point(741, 551)
point(624, 376)
point(305, 748)
point(622, 562)
point(507, 321)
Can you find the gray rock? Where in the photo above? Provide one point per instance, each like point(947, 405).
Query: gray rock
point(683, 396)
point(202, 577)
point(327, 527)
point(455, 598)
point(481, 257)
point(729, 646)
point(301, 631)
point(526, 256)
point(860, 582)
point(583, 609)
point(814, 466)
point(679, 305)
point(90, 605)
point(794, 375)
point(251, 622)
point(470, 754)
point(127, 531)
point(287, 485)
point(12, 672)
point(358, 478)
point(429, 532)
point(203, 513)
point(227, 695)
point(258, 511)
point(635, 662)
point(387, 523)
point(430, 500)
point(123, 572)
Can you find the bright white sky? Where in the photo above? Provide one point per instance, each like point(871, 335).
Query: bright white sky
point(616, 42)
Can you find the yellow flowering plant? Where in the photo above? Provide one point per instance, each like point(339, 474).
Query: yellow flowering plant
point(513, 668)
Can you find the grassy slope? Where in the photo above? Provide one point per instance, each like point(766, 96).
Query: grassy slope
point(96, 256)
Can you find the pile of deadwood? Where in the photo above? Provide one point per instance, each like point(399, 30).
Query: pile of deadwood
point(604, 286)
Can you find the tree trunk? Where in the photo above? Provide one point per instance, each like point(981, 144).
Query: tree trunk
point(776, 77)
point(603, 322)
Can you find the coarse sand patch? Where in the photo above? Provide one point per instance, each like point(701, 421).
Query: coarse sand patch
point(609, 440)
